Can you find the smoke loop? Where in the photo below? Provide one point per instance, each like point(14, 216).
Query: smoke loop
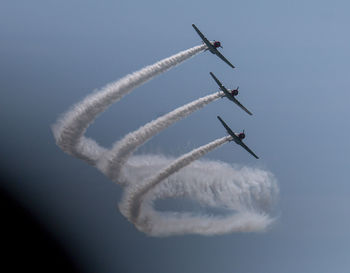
point(247, 193)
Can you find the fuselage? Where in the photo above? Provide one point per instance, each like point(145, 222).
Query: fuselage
point(230, 93)
point(240, 137)
point(215, 45)
point(234, 92)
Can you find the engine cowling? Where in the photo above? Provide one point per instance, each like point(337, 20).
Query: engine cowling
point(234, 92)
point(241, 135)
point(217, 44)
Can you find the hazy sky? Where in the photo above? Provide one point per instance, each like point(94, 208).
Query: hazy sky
point(291, 61)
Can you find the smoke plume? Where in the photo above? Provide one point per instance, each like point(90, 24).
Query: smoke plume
point(245, 195)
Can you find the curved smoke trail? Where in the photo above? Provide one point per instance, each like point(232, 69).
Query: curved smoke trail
point(133, 198)
point(246, 193)
point(69, 130)
point(243, 195)
point(113, 161)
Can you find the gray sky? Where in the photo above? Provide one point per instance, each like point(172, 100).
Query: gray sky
point(291, 59)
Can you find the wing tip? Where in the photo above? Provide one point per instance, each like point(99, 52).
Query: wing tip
point(220, 119)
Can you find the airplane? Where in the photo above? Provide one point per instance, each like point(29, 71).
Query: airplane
point(237, 137)
point(212, 46)
point(230, 93)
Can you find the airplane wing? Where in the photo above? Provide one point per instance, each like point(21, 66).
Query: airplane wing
point(240, 105)
point(223, 58)
point(228, 129)
point(248, 150)
point(222, 88)
point(205, 40)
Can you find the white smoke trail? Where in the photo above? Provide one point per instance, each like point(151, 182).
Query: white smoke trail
point(113, 161)
point(69, 130)
point(132, 201)
point(246, 192)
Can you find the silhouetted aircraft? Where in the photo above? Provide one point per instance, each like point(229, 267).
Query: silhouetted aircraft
point(230, 94)
point(237, 138)
point(212, 46)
